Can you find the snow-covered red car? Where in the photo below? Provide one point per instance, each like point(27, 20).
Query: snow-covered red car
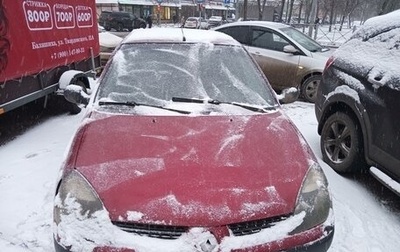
point(185, 147)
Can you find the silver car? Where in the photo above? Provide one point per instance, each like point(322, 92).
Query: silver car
point(193, 22)
point(288, 57)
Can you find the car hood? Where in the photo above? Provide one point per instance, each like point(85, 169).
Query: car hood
point(200, 170)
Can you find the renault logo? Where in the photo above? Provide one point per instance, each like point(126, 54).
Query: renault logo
point(209, 244)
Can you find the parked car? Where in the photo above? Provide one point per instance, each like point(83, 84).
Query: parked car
point(121, 21)
point(215, 21)
point(358, 101)
point(103, 18)
point(288, 57)
point(185, 147)
point(108, 42)
point(193, 22)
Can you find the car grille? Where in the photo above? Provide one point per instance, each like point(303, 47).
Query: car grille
point(156, 231)
point(251, 227)
point(174, 232)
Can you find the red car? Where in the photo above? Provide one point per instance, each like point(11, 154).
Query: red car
point(185, 147)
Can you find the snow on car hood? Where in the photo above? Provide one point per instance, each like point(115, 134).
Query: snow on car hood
point(198, 170)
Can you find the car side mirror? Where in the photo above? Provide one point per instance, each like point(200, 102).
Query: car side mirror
point(290, 49)
point(75, 94)
point(289, 95)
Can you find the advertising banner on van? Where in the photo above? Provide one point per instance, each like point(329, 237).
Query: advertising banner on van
point(39, 35)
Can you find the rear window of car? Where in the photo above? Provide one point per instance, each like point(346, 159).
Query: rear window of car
point(375, 57)
point(154, 73)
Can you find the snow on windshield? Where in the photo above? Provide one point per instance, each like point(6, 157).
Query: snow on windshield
point(374, 50)
point(154, 73)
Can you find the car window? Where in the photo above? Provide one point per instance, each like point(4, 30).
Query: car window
point(154, 73)
point(240, 33)
point(268, 40)
point(376, 57)
point(304, 40)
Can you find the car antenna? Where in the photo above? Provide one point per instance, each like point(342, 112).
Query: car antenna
point(183, 35)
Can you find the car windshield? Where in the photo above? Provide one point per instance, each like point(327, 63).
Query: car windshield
point(305, 41)
point(155, 73)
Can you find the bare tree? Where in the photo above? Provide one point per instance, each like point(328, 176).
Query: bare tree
point(261, 8)
point(290, 11)
point(282, 8)
point(387, 6)
point(349, 7)
point(245, 10)
point(300, 10)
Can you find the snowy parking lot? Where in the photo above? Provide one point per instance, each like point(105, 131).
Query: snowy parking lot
point(367, 215)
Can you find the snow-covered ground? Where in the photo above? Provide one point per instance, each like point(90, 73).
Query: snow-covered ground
point(367, 216)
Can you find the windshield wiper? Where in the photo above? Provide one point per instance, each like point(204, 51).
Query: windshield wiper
point(217, 102)
point(134, 104)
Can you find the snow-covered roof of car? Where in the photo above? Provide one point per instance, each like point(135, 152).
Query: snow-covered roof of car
point(374, 50)
point(273, 25)
point(378, 24)
point(176, 35)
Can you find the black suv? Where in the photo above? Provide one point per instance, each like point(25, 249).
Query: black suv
point(120, 21)
point(358, 102)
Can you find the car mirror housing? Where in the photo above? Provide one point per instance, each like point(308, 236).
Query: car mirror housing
point(75, 94)
point(290, 49)
point(288, 95)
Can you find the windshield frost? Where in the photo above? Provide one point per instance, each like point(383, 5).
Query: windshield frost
point(154, 73)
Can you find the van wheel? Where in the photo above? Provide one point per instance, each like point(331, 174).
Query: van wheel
point(342, 144)
point(142, 25)
point(73, 108)
point(309, 88)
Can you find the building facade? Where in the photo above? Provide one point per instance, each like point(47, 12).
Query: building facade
point(166, 10)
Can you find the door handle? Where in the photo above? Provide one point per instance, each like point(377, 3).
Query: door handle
point(375, 82)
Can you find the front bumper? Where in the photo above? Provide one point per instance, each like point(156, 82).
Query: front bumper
point(317, 239)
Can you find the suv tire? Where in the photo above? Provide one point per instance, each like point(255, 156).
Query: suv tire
point(341, 143)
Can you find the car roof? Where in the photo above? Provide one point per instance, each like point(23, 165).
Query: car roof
point(177, 35)
point(377, 25)
point(267, 24)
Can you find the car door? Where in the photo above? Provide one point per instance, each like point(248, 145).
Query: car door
point(267, 48)
point(383, 105)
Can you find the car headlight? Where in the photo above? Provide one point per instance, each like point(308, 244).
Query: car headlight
point(76, 196)
point(313, 199)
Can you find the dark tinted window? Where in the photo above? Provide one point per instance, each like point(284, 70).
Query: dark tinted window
point(268, 40)
point(240, 33)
